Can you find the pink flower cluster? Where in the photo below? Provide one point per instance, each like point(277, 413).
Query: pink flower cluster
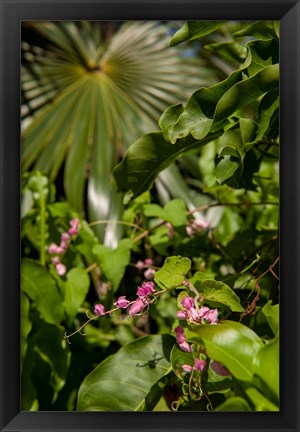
point(199, 365)
point(197, 225)
point(63, 246)
point(196, 315)
point(136, 306)
point(149, 272)
point(181, 340)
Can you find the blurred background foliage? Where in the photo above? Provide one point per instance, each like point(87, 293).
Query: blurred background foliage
point(89, 90)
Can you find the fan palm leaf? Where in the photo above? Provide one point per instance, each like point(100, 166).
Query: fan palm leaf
point(86, 98)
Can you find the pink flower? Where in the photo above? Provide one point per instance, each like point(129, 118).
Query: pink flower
point(55, 260)
point(179, 331)
point(146, 289)
point(188, 302)
point(148, 261)
point(122, 302)
point(200, 224)
point(219, 369)
point(189, 230)
point(212, 316)
point(55, 249)
point(140, 265)
point(182, 315)
point(187, 368)
point(137, 306)
point(203, 311)
point(74, 224)
point(149, 273)
point(185, 347)
point(61, 269)
point(193, 314)
point(64, 241)
point(199, 364)
point(99, 309)
point(180, 339)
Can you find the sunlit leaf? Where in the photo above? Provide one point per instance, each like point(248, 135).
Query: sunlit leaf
point(195, 29)
point(172, 272)
point(223, 343)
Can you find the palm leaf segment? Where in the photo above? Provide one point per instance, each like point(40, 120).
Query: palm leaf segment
point(88, 99)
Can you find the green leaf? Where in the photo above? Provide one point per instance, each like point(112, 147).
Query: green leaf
point(147, 157)
point(166, 121)
point(194, 29)
point(260, 402)
point(244, 330)
point(51, 346)
point(266, 365)
point(267, 107)
point(40, 188)
point(230, 51)
point(160, 240)
point(210, 106)
point(123, 381)
point(26, 324)
point(234, 140)
point(217, 383)
point(261, 53)
point(220, 292)
point(232, 345)
point(176, 212)
point(42, 290)
point(205, 111)
point(272, 315)
point(173, 212)
point(227, 169)
point(114, 262)
point(172, 272)
point(261, 29)
point(234, 404)
point(197, 117)
point(76, 288)
point(29, 401)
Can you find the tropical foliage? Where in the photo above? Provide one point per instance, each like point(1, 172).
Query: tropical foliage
point(150, 216)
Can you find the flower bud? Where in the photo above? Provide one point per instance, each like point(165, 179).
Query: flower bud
point(137, 306)
point(99, 309)
point(122, 302)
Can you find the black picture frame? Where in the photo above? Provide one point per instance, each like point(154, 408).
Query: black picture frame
point(14, 11)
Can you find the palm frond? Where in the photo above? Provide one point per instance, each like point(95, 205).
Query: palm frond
point(87, 99)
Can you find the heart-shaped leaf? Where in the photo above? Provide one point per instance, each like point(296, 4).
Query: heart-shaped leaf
point(76, 289)
point(122, 382)
point(172, 272)
point(221, 293)
point(114, 262)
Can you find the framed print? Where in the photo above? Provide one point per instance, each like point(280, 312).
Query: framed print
point(149, 210)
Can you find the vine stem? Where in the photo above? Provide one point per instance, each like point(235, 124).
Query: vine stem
point(155, 295)
point(108, 221)
point(251, 308)
point(202, 208)
point(219, 204)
